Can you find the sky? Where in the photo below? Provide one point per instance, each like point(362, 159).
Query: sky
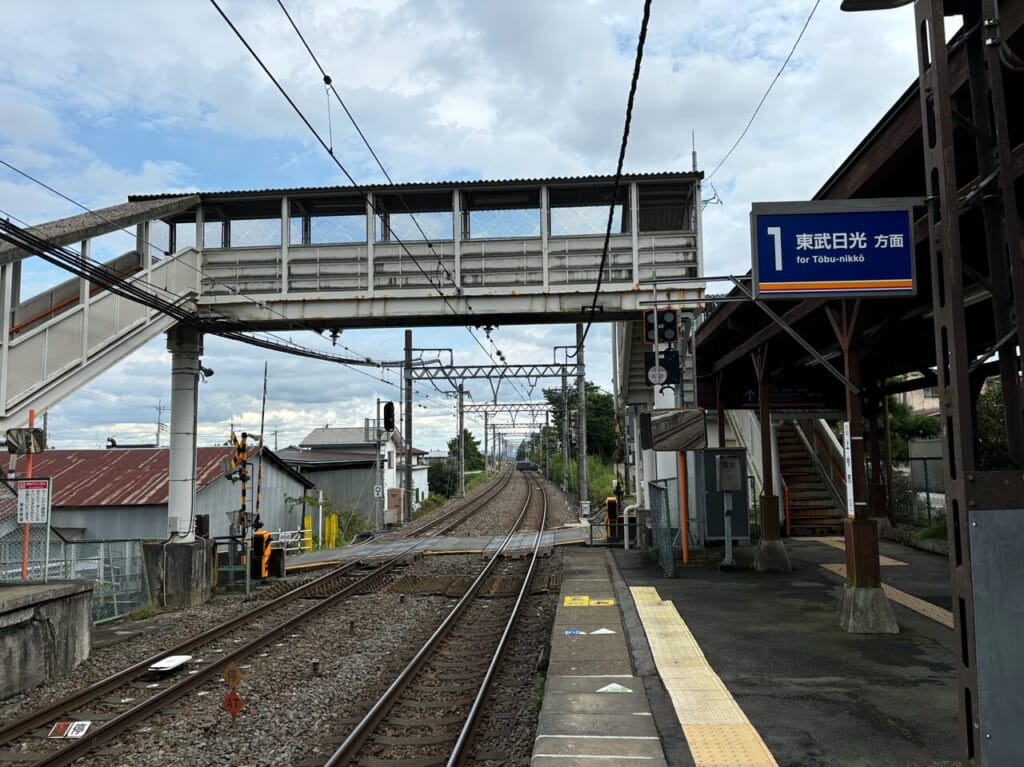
point(111, 98)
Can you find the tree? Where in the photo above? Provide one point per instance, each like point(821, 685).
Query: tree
point(904, 426)
point(473, 457)
point(991, 437)
point(442, 478)
point(602, 439)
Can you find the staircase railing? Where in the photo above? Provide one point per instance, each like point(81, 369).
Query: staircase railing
point(826, 454)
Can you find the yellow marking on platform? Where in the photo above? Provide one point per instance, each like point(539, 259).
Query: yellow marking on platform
point(837, 542)
point(717, 731)
point(585, 601)
point(726, 745)
point(918, 605)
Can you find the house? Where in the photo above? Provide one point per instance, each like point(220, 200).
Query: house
point(121, 494)
point(349, 463)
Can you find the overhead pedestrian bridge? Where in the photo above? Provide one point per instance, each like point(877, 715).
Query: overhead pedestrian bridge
point(411, 255)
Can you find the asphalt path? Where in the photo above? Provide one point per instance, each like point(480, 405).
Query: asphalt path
point(818, 696)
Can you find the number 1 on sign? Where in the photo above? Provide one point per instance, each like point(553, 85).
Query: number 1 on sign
point(775, 232)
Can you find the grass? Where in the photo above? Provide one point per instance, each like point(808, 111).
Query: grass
point(140, 613)
point(538, 693)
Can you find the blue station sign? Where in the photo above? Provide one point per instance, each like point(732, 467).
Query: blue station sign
point(833, 248)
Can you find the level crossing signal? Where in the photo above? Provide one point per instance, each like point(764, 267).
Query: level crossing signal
point(661, 326)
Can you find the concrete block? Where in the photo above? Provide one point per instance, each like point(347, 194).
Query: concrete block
point(44, 632)
point(866, 611)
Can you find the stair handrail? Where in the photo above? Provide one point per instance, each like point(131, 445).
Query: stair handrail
point(830, 471)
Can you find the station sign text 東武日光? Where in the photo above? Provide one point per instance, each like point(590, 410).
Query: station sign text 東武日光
point(833, 248)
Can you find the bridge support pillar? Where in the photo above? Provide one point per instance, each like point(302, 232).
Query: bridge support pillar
point(185, 345)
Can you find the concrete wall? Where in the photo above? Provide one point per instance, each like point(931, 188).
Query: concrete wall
point(179, 574)
point(44, 632)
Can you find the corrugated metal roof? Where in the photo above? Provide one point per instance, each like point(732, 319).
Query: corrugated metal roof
point(322, 457)
point(431, 185)
point(133, 477)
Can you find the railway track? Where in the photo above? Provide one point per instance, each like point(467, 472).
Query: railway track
point(429, 713)
point(131, 695)
point(123, 700)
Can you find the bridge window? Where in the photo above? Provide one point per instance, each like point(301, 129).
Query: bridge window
point(580, 210)
point(332, 229)
point(500, 213)
point(585, 220)
point(497, 224)
point(184, 235)
point(436, 225)
point(255, 232)
point(213, 234)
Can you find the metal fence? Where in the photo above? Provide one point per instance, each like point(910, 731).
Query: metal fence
point(231, 553)
point(919, 491)
point(661, 525)
point(25, 549)
point(116, 568)
point(118, 571)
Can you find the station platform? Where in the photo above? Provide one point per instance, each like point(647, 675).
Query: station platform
point(737, 668)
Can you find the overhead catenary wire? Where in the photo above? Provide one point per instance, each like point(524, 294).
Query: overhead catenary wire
point(343, 169)
point(764, 98)
point(637, 59)
point(196, 269)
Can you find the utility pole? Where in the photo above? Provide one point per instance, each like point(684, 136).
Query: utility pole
point(160, 425)
point(462, 446)
point(407, 381)
point(581, 427)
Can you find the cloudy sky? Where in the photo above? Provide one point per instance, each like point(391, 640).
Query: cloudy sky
point(105, 99)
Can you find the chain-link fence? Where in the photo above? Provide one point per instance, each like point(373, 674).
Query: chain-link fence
point(116, 568)
point(119, 573)
point(25, 553)
point(662, 531)
point(232, 557)
point(918, 486)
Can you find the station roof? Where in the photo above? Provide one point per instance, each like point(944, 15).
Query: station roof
point(898, 336)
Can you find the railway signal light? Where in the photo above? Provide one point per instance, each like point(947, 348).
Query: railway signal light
point(389, 416)
point(661, 326)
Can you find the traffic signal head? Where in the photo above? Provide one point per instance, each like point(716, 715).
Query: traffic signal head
point(661, 326)
point(389, 416)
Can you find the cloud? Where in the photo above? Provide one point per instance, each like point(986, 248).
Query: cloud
point(136, 98)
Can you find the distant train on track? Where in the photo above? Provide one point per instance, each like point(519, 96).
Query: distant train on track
point(526, 466)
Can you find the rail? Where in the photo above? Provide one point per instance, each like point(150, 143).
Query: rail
point(359, 735)
point(151, 705)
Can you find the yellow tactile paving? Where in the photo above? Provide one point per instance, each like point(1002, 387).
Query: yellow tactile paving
point(726, 745)
point(920, 606)
point(838, 543)
point(717, 731)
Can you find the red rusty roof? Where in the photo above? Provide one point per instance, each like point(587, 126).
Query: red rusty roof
point(126, 477)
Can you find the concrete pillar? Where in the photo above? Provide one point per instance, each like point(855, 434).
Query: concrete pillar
point(186, 346)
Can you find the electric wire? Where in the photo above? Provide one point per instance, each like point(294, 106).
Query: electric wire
point(638, 58)
point(329, 83)
point(328, 149)
point(769, 90)
point(149, 243)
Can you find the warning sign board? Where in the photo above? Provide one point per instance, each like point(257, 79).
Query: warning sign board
point(33, 501)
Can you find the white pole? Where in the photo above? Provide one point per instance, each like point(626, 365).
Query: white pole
point(320, 503)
